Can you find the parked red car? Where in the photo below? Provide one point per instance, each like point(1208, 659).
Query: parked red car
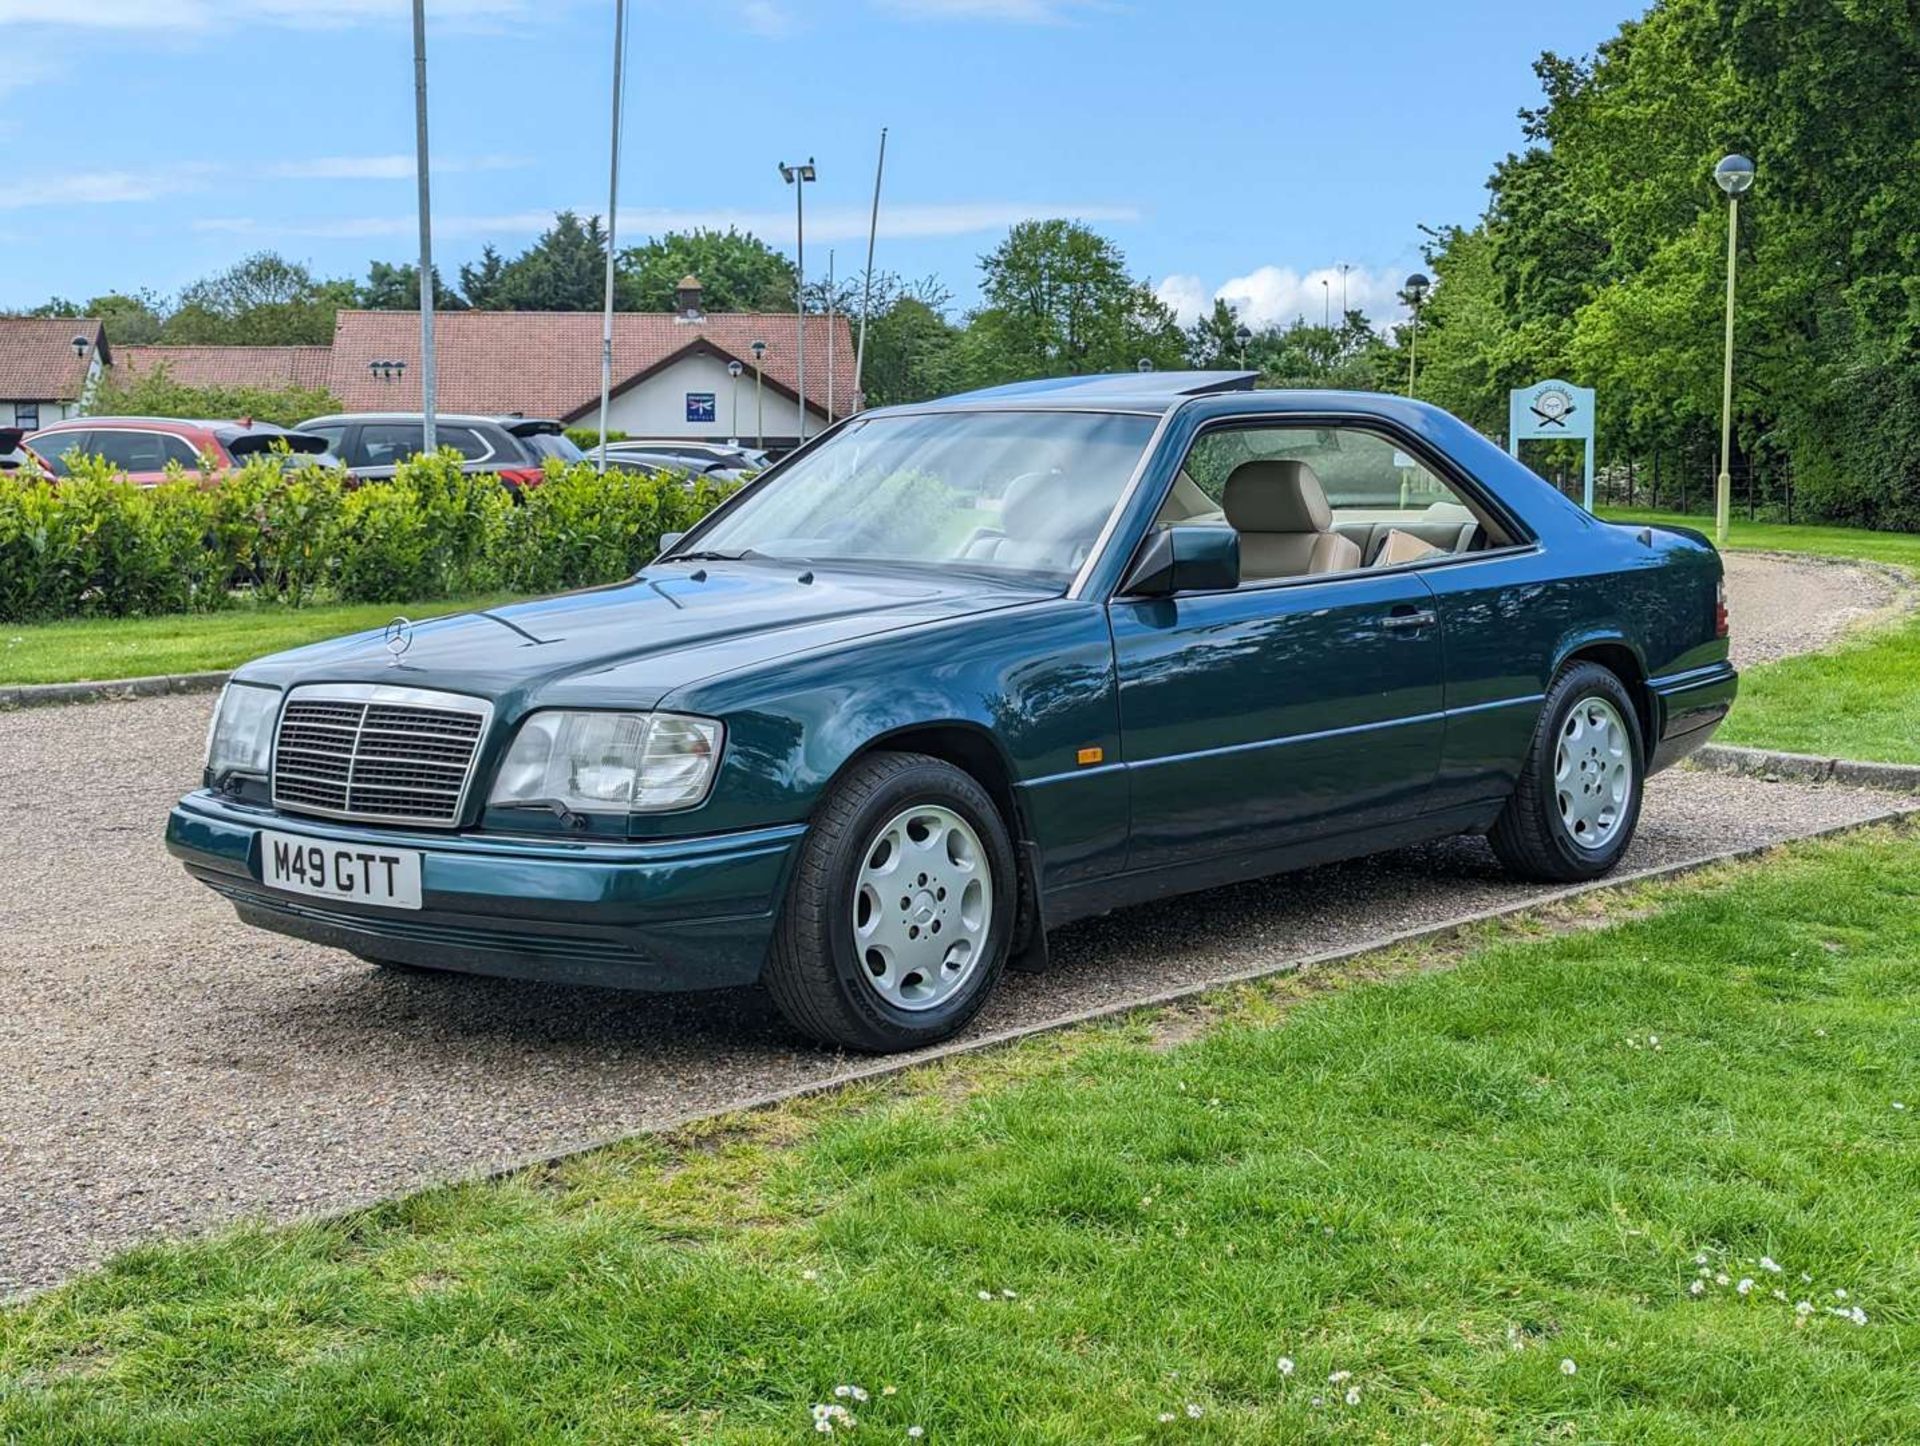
point(141, 447)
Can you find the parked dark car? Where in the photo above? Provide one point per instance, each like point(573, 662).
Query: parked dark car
point(633, 459)
point(142, 447)
point(373, 444)
point(696, 456)
point(955, 673)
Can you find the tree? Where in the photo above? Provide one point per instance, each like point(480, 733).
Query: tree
point(910, 342)
point(484, 285)
point(565, 270)
point(133, 320)
point(155, 393)
point(1213, 342)
point(737, 272)
point(264, 299)
point(391, 287)
point(1059, 301)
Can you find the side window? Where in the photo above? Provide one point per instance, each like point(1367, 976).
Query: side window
point(334, 432)
point(1322, 500)
point(55, 446)
point(178, 449)
point(131, 451)
point(387, 444)
point(464, 440)
point(26, 415)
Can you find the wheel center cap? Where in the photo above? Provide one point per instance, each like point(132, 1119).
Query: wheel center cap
point(923, 907)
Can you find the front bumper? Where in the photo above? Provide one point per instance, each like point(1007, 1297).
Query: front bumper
point(694, 913)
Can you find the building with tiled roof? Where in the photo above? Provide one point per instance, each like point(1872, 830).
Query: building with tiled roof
point(48, 367)
point(670, 369)
point(271, 367)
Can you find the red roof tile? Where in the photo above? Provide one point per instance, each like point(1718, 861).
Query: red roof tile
point(547, 363)
point(272, 367)
point(37, 363)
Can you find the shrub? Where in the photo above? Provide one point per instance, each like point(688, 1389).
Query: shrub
point(433, 531)
point(578, 528)
point(156, 394)
point(587, 438)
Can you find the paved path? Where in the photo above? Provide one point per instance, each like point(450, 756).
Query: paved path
point(168, 1068)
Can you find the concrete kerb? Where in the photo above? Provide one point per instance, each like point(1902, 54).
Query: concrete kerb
point(116, 690)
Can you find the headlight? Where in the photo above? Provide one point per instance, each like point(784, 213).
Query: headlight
point(240, 739)
point(610, 762)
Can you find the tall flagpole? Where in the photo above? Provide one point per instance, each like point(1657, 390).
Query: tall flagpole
point(613, 202)
point(866, 297)
point(428, 439)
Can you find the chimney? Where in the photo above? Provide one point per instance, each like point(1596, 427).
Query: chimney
point(686, 300)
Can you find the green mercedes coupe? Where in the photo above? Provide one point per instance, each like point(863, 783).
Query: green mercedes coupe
point(955, 673)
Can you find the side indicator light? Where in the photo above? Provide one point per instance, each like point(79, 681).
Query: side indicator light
point(1089, 755)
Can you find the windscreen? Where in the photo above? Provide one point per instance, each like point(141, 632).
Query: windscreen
point(1020, 492)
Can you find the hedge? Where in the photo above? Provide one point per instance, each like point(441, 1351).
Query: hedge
point(94, 545)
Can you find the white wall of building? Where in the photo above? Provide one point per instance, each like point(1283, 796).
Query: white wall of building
point(50, 412)
point(657, 407)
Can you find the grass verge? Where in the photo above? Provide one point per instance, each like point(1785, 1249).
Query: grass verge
point(1860, 699)
point(1514, 1200)
point(98, 649)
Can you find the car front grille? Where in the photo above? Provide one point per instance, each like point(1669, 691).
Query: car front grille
point(383, 755)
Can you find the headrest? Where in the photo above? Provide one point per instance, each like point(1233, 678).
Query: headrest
point(1025, 507)
point(1276, 496)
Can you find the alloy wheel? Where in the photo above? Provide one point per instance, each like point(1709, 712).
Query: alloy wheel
point(1593, 773)
point(922, 907)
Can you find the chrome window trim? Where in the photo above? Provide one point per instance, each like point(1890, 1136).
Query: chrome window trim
point(398, 696)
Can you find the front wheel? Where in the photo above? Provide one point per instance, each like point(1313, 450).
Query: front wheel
point(901, 909)
point(1577, 803)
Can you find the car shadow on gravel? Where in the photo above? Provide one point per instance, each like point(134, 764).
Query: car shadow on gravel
point(1132, 951)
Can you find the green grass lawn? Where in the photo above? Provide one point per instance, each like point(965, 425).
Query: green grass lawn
point(1858, 700)
point(1899, 548)
point(1517, 1200)
point(104, 648)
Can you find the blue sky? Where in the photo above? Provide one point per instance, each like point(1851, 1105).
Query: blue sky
point(1223, 143)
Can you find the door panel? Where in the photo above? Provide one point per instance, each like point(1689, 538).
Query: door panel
point(1502, 617)
point(1273, 715)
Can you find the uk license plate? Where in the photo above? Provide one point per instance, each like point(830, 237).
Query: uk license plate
point(355, 873)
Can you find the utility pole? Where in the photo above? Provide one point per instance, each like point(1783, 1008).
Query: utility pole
point(613, 204)
point(428, 440)
point(798, 177)
point(866, 297)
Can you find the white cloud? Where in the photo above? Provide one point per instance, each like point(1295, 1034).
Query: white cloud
point(766, 18)
point(177, 15)
point(841, 223)
point(1277, 295)
point(384, 168)
point(92, 188)
point(1018, 12)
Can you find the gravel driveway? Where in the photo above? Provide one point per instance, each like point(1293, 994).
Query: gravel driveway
point(170, 1069)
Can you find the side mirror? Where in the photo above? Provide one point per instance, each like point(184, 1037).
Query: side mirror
point(669, 541)
point(1186, 559)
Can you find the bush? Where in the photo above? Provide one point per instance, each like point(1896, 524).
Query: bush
point(156, 394)
point(587, 438)
point(92, 545)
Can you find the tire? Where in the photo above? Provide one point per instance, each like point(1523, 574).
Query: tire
point(880, 947)
point(1538, 835)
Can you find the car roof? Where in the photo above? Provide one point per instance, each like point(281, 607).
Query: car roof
point(231, 427)
point(1102, 391)
point(463, 419)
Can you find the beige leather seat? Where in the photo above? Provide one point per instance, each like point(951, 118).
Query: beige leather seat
point(1285, 525)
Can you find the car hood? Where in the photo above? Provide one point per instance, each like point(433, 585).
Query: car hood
point(633, 643)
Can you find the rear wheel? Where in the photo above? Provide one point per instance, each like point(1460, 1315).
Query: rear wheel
point(1575, 808)
point(901, 909)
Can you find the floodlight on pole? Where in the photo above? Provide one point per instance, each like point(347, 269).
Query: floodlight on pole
point(798, 177)
point(1243, 336)
point(1734, 175)
point(1415, 291)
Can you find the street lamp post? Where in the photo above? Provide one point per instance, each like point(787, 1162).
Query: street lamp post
point(1243, 336)
point(759, 416)
point(733, 370)
point(1416, 292)
point(1326, 304)
point(797, 177)
point(1733, 175)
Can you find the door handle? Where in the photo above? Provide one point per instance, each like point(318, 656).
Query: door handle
point(1419, 618)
